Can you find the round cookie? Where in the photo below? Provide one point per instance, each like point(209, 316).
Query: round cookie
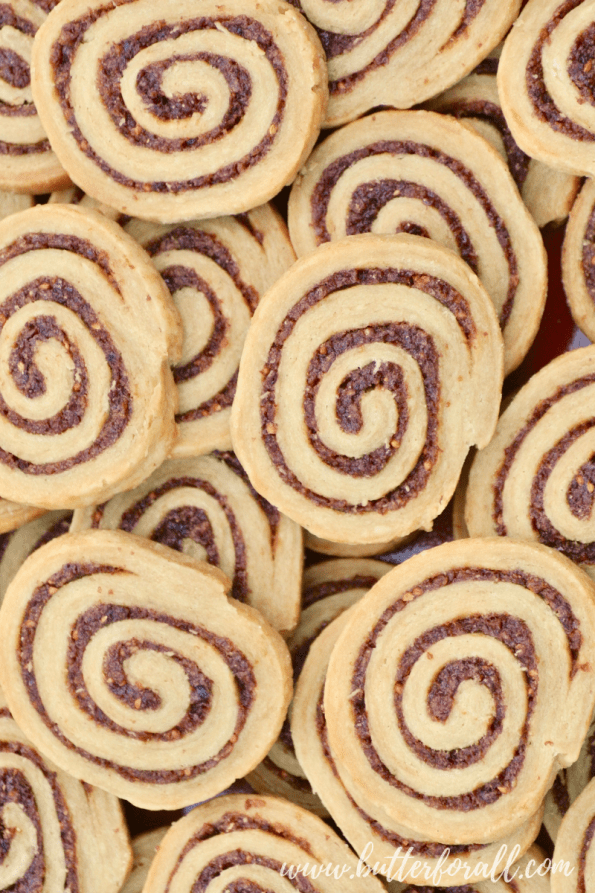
point(206, 508)
point(28, 163)
point(548, 193)
point(86, 410)
point(401, 53)
point(216, 272)
point(495, 639)
point(352, 550)
point(569, 784)
point(171, 113)
point(126, 663)
point(329, 588)
point(356, 369)
point(144, 848)
point(427, 174)
point(535, 480)
point(245, 843)
point(378, 839)
point(58, 834)
point(545, 83)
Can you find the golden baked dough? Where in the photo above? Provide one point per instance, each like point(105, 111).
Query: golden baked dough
point(171, 112)
point(207, 508)
point(144, 848)
point(545, 83)
point(427, 174)
point(382, 52)
point(535, 480)
point(87, 399)
point(58, 834)
point(578, 256)
point(379, 839)
point(575, 846)
point(28, 163)
point(329, 588)
point(496, 639)
point(216, 272)
point(549, 193)
point(19, 544)
point(248, 843)
point(133, 671)
point(359, 366)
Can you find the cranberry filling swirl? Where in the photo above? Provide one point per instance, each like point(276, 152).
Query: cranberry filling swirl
point(161, 694)
point(546, 83)
point(50, 834)
point(192, 113)
point(28, 162)
point(83, 407)
point(395, 845)
point(347, 389)
point(539, 467)
point(390, 53)
point(207, 508)
point(216, 272)
point(497, 651)
point(256, 844)
point(422, 173)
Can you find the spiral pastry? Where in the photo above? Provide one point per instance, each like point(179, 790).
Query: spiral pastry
point(19, 544)
point(547, 192)
point(257, 844)
point(546, 83)
point(427, 174)
point(216, 272)
point(86, 410)
point(207, 508)
point(378, 839)
point(355, 368)
point(329, 588)
point(352, 550)
point(172, 114)
point(535, 480)
point(130, 668)
point(399, 54)
point(569, 784)
point(575, 846)
point(578, 256)
point(496, 638)
point(28, 163)
point(57, 834)
point(144, 848)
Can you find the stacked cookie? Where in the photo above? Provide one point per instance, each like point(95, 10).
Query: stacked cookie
point(201, 372)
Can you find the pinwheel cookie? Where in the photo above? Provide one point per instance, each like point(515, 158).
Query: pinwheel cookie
point(172, 113)
point(88, 329)
point(548, 192)
point(578, 260)
point(536, 479)
point(353, 409)
point(329, 589)
point(58, 834)
point(496, 641)
point(427, 174)
point(255, 843)
point(400, 54)
point(144, 848)
point(11, 202)
point(28, 163)
point(379, 839)
point(575, 847)
point(545, 83)
point(130, 668)
point(207, 508)
point(216, 272)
